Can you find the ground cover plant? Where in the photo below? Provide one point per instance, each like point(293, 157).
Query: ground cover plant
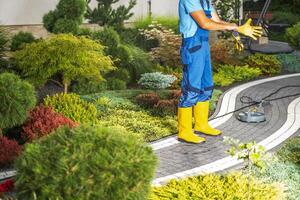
point(290, 62)
point(218, 186)
point(268, 64)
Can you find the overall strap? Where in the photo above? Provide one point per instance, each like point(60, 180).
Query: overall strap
point(207, 3)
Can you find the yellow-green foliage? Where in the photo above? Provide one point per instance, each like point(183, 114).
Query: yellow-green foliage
point(293, 35)
point(268, 64)
point(228, 74)
point(140, 123)
point(72, 106)
point(217, 187)
point(73, 57)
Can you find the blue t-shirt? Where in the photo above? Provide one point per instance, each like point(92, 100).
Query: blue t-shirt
point(187, 25)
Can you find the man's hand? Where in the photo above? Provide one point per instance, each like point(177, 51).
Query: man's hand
point(251, 31)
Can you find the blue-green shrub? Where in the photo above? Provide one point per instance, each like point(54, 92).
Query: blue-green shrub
point(156, 80)
point(290, 62)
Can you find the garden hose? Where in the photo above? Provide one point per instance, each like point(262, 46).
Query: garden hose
point(264, 101)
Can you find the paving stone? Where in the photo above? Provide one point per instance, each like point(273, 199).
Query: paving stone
point(189, 156)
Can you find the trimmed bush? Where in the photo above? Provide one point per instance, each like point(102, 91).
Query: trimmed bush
point(20, 39)
point(9, 151)
point(228, 74)
point(69, 56)
point(214, 186)
point(89, 86)
point(17, 97)
point(66, 18)
point(72, 107)
point(292, 35)
point(156, 80)
point(85, 163)
point(147, 100)
point(268, 64)
point(42, 121)
point(116, 84)
point(290, 62)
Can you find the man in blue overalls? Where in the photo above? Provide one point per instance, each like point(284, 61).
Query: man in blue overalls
point(197, 17)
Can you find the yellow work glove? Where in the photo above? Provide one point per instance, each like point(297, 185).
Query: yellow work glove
point(238, 43)
point(251, 31)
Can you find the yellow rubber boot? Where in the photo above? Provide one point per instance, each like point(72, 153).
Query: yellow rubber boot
point(201, 119)
point(185, 126)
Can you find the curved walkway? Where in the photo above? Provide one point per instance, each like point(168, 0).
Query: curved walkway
point(178, 160)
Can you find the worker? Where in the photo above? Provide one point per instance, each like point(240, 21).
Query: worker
point(197, 18)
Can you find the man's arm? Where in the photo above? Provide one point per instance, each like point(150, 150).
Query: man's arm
point(216, 18)
point(210, 24)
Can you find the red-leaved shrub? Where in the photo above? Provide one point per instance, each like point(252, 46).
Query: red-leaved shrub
point(147, 100)
point(175, 94)
point(7, 186)
point(166, 107)
point(9, 151)
point(42, 121)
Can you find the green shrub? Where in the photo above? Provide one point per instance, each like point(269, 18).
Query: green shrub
point(156, 80)
point(71, 57)
point(66, 26)
point(85, 163)
point(268, 64)
point(283, 17)
point(109, 38)
point(17, 97)
point(116, 84)
point(214, 186)
point(20, 39)
point(106, 13)
point(290, 152)
point(290, 62)
point(121, 74)
point(85, 32)
point(66, 18)
point(228, 74)
point(89, 86)
point(72, 107)
point(292, 35)
point(140, 123)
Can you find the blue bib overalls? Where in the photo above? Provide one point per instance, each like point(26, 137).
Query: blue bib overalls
point(197, 82)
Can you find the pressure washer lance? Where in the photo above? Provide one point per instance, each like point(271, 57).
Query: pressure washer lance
point(253, 115)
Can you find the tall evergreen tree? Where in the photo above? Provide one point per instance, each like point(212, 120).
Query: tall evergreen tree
point(105, 15)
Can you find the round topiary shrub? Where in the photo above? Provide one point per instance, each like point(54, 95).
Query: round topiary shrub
point(116, 84)
point(9, 151)
point(89, 86)
point(20, 39)
point(42, 121)
point(85, 163)
point(17, 97)
point(72, 107)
